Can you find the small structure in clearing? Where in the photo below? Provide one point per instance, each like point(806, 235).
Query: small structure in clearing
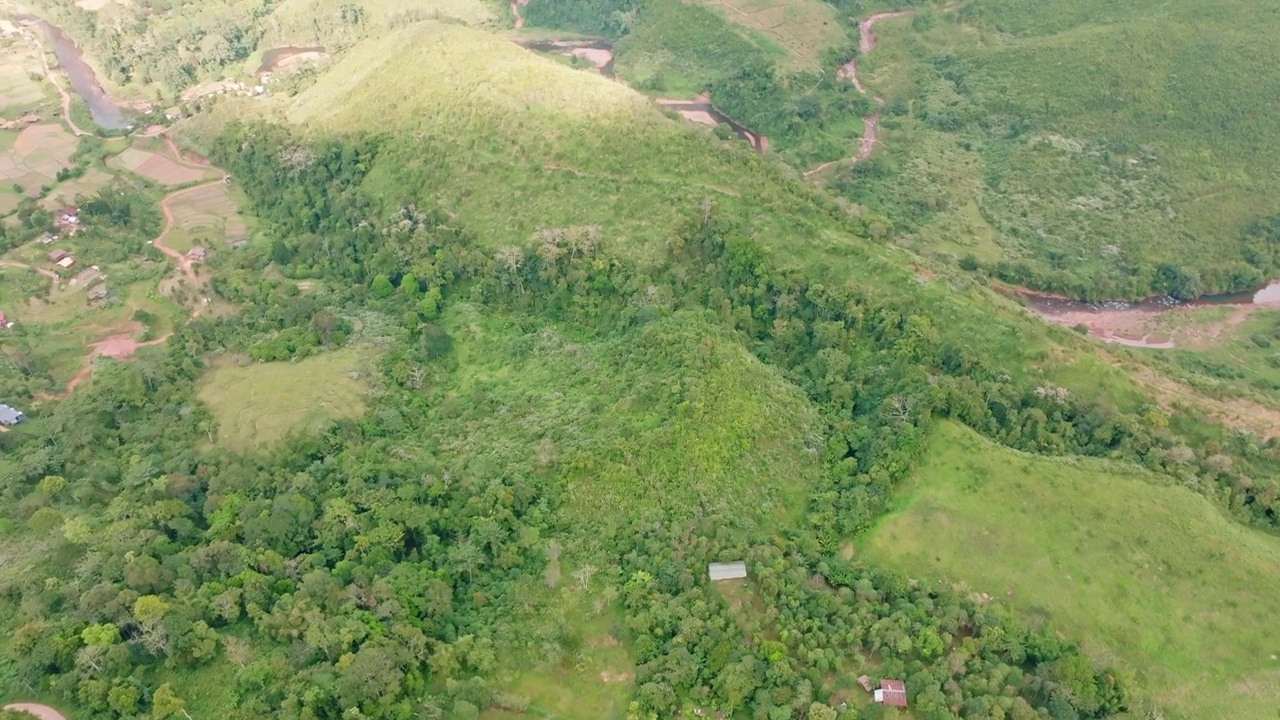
point(66, 262)
point(727, 571)
point(98, 293)
point(892, 692)
point(10, 416)
point(48, 239)
point(196, 253)
point(57, 255)
point(86, 276)
point(865, 682)
point(68, 220)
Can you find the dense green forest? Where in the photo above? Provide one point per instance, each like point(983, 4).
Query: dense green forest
point(600, 351)
point(384, 565)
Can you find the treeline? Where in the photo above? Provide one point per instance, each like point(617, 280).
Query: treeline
point(156, 41)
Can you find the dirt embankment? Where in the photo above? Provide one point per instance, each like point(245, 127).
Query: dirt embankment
point(849, 71)
point(43, 712)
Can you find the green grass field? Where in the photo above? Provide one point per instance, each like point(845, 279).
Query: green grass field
point(804, 27)
point(1094, 136)
point(258, 404)
point(1134, 568)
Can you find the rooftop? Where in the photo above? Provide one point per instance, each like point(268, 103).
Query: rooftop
point(10, 416)
point(727, 571)
point(892, 692)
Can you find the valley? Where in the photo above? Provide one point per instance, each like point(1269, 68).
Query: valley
point(424, 359)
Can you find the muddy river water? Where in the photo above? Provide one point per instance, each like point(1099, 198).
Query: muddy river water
point(106, 111)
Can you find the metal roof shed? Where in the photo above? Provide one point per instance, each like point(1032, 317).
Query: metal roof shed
point(727, 571)
point(10, 416)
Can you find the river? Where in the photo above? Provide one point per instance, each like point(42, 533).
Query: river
point(104, 110)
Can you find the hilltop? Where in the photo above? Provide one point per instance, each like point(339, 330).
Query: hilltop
point(506, 355)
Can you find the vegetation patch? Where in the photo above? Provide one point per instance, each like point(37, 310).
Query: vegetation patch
point(1138, 179)
point(806, 28)
point(1128, 564)
point(256, 404)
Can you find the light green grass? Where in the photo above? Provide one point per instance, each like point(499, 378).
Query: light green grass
point(1135, 569)
point(804, 27)
point(258, 404)
point(1099, 134)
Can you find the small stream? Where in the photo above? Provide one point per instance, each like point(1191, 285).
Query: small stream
point(106, 112)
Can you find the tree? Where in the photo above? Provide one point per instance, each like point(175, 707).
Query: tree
point(166, 704)
point(382, 287)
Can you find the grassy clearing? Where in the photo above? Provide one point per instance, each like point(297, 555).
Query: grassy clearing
point(209, 217)
point(158, 167)
point(294, 22)
point(1094, 137)
point(804, 27)
point(258, 404)
point(20, 88)
point(1135, 569)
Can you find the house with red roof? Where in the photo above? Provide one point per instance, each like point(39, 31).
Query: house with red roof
point(892, 692)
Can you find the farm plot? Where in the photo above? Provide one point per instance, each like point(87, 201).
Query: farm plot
point(804, 27)
point(158, 167)
point(38, 153)
point(206, 216)
point(20, 88)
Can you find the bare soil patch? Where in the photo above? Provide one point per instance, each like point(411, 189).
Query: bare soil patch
point(43, 712)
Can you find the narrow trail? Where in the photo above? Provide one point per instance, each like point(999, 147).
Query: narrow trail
point(515, 10)
point(122, 346)
point(871, 131)
point(43, 712)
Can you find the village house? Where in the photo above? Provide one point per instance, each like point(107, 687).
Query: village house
point(67, 220)
point(66, 262)
point(57, 255)
point(86, 276)
point(892, 692)
point(48, 239)
point(10, 416)
point(196, 253)
point(98, 293)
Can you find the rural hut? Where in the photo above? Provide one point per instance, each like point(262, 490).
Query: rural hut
point(892, 692)
point(10, 416)
point(98, 292)
point(727, 571)
point(66, 262)
point(196, 253)
point(865, 682)
point(57, 255)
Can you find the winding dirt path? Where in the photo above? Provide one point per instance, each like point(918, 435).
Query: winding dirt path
point(43, 712)
point(515, 10)
point(122, 346)
point(871, 123)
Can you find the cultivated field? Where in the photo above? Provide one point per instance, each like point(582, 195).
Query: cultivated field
point(1134, 568)
point(258, 404)
point(20, 88)
point(157, 166)
point(804, 27)
point(37, 154)
point(206, 216)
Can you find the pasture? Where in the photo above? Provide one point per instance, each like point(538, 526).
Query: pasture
point(804, 27)
point(1097, 140)
point(257, 404)
point(1137, 570)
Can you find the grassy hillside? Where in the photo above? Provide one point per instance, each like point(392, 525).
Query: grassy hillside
point(1084, 145)
point(1134, 567)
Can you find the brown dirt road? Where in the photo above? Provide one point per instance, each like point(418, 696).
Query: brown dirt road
point(122, 346)
point(849, 71)
point(43, 712)
point(515, 10)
